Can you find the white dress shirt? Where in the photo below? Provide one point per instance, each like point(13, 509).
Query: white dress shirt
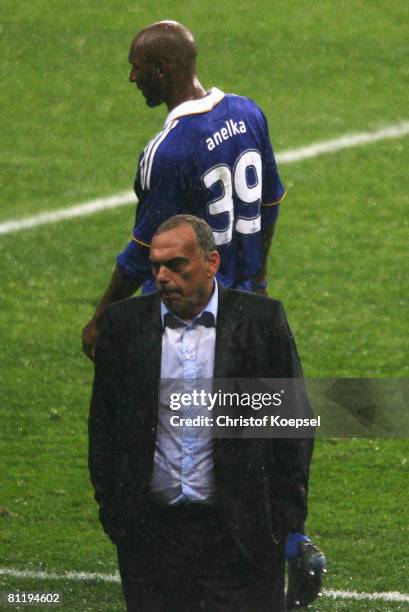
point(183, 461)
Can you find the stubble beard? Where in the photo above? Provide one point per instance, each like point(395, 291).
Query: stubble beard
point(187, 309)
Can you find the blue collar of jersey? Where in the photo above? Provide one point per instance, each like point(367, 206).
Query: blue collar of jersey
point(194, 107)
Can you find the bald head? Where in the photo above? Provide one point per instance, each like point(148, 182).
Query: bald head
point(170, 42)
point(163, 58)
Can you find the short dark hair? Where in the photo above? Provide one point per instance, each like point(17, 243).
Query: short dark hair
point(202, 230)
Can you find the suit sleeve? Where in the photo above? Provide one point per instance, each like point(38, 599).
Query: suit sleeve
point(292, 456)
point(101, 427)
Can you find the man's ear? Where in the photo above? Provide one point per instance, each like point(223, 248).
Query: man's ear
point(160, 68)
point(214, 262)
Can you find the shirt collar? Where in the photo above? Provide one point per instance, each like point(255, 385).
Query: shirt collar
point(195, 107)
point(211, 306)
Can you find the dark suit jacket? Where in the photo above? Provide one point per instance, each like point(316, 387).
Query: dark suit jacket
point(261, 484)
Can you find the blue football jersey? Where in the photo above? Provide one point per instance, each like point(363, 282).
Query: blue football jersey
point(214, 160)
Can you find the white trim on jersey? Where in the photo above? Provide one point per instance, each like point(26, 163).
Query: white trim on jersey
point(149, 154)
point(194, 107)
point(191, 107)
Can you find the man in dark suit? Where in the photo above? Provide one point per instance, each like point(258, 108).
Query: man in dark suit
point(200, 522)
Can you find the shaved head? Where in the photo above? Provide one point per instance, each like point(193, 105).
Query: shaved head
point(163, 60)
point(169, 41)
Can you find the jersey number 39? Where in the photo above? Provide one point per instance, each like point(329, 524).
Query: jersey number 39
point(242, 185)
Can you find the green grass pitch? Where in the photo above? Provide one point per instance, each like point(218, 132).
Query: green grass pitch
point(71, 129)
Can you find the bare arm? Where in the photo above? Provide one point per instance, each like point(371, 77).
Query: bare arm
point(260, 280)
point(121, 286)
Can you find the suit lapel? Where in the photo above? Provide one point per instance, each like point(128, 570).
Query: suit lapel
point(150, 340)
point(144, 347)
point(229, 340)
point(229, 362)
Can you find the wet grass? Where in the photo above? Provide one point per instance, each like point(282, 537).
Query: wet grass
point(72, 129)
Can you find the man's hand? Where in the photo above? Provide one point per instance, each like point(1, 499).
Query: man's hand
point(89, 338)
point(120, 287)
point(306, 567)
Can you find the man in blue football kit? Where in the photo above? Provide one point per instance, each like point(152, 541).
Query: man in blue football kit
point(213, 159)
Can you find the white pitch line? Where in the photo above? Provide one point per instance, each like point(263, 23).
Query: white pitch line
point(387, 596)
point(80, 576)
point(114, 578)
point(79, 210)
point(344, 142)
point(348, 141)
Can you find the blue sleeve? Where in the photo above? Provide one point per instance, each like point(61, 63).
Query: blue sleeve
point(273, 189)
point(134, 260)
